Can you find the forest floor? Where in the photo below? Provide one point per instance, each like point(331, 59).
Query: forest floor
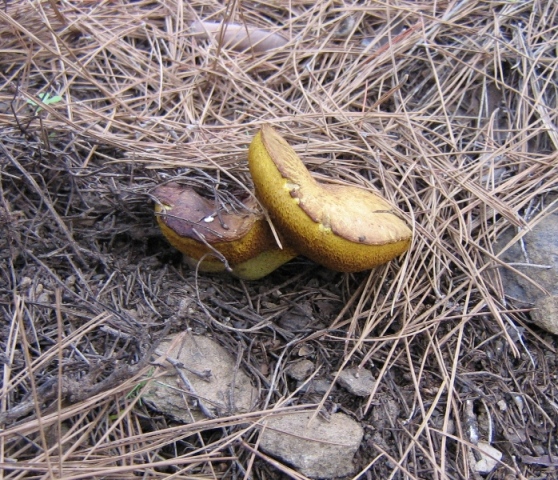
point(447, 109)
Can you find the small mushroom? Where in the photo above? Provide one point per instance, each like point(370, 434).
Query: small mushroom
point(243, 239)
point(344, 228)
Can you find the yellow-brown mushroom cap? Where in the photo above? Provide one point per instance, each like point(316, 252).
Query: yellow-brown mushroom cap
point(341, 227)
point(196, 227)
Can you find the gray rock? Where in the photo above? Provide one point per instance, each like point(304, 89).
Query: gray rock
point(216, 386)
point(301, 369)
point(538, 261)
point(358, 381)
point(319, 386)
point(318, 449)
point(545, 313)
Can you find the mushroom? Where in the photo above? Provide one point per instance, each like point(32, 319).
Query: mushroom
point(243, 240)
point(344, 228)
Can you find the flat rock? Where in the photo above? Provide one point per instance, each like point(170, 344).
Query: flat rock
point(358, 381)
point(538, 260)
point(214, 381)
point(317, 448)
point(545, 313)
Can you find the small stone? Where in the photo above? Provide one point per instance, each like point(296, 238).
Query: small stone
point(300, 370)
point(316, 448)
point(43, 298)
point(489, 458)
point(210, 369)
point(305, 350)
point(502, 405)
point(518, 400)
point(318, 386)
point(545, 313)
point(358, 381)
point(294, 321)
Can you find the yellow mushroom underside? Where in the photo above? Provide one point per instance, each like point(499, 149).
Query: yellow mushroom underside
point(347, 229)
